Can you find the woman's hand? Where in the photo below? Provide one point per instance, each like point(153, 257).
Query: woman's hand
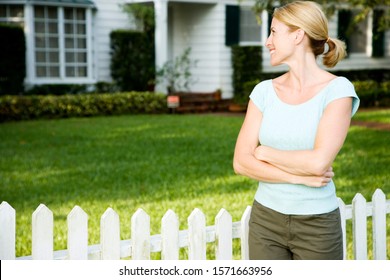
point(320, 180)
point(257, 154)
point(317, 181)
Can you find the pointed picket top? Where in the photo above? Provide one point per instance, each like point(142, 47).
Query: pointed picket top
point(77, 213)
point(77, 234)
point(170, 236)
point(359, 227)
point(245, 233)
point(378, 195)
point(7, 231)
point(224, 232)
point(109, 213)
point(379, 225)
point(5, 205)
point(110, 235)
point(140, 235)
point(170, 215)
point(196, 214)
point(42, 233)
point(222, 214)
point(197, 235)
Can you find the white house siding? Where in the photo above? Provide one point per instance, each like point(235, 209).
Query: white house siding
point(200, 26)
point(108, 17)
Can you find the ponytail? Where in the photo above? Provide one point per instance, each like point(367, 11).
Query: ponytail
point(336, 52)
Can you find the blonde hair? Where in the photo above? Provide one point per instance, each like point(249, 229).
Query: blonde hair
point(309, 17)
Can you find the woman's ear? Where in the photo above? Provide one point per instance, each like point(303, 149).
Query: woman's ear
point(299, 35)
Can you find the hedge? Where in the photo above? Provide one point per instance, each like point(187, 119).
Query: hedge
point(13, 108)
point(247, 66)
point(132, 60)
point(372, 93)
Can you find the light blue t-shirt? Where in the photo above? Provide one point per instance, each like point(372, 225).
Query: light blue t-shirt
point(294, 127)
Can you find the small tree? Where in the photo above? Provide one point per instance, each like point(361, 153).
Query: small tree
point(176, 73)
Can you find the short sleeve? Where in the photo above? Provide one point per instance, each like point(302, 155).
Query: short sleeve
point(343, 88)
point(259, 94)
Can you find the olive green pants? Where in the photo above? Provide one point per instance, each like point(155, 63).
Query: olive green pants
point(276, 236)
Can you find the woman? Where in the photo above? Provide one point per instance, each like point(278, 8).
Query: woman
point(294, 127)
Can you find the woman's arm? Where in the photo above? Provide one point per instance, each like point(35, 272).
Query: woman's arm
point(245, 163)
point(331, 134)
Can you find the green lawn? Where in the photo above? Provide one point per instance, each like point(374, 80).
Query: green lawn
point(156, 163)
point(380, 115)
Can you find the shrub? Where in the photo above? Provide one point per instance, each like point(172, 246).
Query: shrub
point(82, 105)
point(384, 95)
point(247, 67)
point(367, 91)
point(132, 60)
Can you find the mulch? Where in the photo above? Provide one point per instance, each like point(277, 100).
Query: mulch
point(373, 125)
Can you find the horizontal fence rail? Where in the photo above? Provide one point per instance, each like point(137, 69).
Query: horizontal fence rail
point(171, 239)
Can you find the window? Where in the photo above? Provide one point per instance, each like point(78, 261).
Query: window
point(47, 45)
point(75, 43)
point(358, 38)
point(250, 31)
point(13, 14)
point(241, 26)
point(60, 35)
point(363, 37)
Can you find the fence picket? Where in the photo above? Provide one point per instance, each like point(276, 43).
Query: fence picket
point(42, 233)
point(77, 234)
point(379, 224)
point(359, 227)
point(170, 236)
point(223, 233)
point(171, 239)
point(343, 226)
point(197, 235)
point(110, 235)
point(7, 231)
point(244, 233)
point(140, 235)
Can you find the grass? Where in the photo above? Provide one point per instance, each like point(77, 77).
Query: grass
point(381, 116)
point(156, 163)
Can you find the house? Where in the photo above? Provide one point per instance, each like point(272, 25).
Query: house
point(68, 40)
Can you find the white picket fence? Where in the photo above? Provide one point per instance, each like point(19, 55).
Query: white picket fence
point(171, 238)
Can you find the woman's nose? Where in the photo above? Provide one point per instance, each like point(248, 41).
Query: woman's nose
point(268, 42)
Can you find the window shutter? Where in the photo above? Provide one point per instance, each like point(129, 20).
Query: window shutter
point(344, 22)
point(378, 37)
point(232, 25)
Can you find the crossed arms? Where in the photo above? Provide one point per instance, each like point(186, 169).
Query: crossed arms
point(308, 167)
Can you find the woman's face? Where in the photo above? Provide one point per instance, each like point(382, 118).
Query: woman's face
point(280, 43)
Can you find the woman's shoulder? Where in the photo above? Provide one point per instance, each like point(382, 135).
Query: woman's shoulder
point(342, 82)
point(260, 94)
point(264, 84)
point(262, 88)
point(343, 87)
